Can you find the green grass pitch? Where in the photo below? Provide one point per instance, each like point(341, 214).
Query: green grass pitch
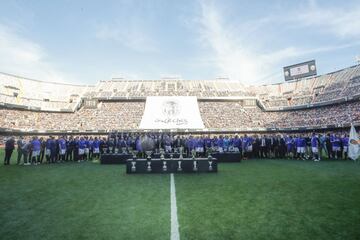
point(255, 199)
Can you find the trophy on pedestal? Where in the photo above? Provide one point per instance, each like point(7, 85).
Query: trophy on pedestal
point(133, 167)
point(193, 154)
point(162, 156)
point(164, 166)
point(181, 149)
point(209, 151)
point(134, 153)
point(148, 155)
point(179, 166)
point(147, 145)
point(149, 166)
point(133, 162)
point(210, 160)
point(195, 168)
point(123, 150)
point(210, 165)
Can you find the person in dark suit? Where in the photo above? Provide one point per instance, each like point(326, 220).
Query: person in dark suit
point(42, 152)
point(9, 148)
point(256, 147)
point(19, 143)
point(282, 147)
point(264, 147)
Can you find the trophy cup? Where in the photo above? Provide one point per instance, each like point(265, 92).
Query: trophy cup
point(147, 145)
point(179, 166)
point(133, 167)
point(210, 165)
point(209, 153)
point(181, 149)
point(195, 168)
point(162, 157)
point(123, 150)
point(164, 166)
point(134, 154)
point(149, 166)
point(171, 156)
point(148, 155)
point(193, 153)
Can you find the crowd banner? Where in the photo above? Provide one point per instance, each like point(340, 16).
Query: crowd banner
point(163, 112)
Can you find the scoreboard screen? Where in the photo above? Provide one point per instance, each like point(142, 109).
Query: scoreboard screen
point(301, 70)
point(90, 103)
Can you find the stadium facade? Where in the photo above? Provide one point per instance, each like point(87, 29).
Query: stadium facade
point(328, 101)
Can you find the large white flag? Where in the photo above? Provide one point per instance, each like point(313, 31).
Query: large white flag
point(354, 149)
point(163, 112)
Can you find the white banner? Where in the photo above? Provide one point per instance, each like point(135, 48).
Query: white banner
point(354, 150)
point(171, 113)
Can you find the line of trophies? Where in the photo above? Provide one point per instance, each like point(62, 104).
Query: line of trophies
point(162, 158)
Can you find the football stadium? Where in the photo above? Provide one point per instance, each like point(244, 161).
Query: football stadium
point(230, 157)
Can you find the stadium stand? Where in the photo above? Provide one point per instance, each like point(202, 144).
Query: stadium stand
point(327, 100)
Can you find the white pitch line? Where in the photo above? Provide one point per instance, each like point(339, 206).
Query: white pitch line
point(175, 235)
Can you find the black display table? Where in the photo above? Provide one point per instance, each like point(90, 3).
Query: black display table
point(227, 157)
point(114, 158)
point(185, 165)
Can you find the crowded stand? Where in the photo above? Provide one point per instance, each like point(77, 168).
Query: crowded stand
point(215, 115)
point(27, 104)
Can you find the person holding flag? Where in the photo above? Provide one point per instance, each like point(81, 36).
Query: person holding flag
point(345, 144)
point(354, 142)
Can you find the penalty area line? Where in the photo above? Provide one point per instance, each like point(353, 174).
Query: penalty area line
point(174, 235)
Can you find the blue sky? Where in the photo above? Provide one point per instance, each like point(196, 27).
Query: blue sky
point(248, 41)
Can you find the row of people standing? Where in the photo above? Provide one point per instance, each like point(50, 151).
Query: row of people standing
point(36, 150)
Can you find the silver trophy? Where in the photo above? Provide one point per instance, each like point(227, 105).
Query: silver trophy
point(149, 166)
point(164, 166)
point(193, 153)
point(148, 155)
point(162, 157)
point(195, 168)
point(171, 156)
point(181, 150)
point(210, 165)
point(209, 150)
point(134, 154)
point(179, 166)
point(133, 167)
point(123, 150)
point(147, 145)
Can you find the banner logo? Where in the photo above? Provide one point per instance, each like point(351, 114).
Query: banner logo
point(171, 108)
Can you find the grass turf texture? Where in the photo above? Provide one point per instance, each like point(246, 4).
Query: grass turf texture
point(256, 199)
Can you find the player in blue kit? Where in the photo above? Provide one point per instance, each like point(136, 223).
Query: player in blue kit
point(335, 141)
point(62, 149)
point(82, 145)
point(289, 146)
point(96, 147)
point(36, 147)
point(315, 144)
point(300, 143)
point(86, 149)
